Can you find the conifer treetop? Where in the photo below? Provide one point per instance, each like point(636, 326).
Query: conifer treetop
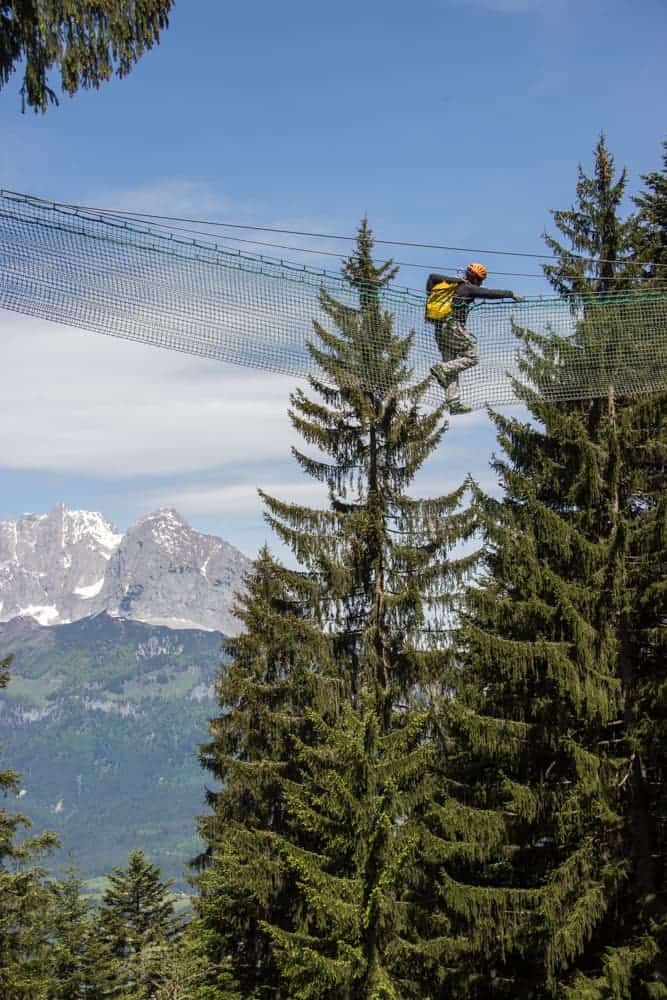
point(599, 253)
point(652, 205)
point(136, 906)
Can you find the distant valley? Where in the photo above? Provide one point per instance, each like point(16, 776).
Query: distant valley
point(104, 712)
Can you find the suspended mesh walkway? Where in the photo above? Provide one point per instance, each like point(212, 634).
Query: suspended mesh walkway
point(107, 274)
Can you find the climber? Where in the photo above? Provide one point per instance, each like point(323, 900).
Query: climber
point(449, 301)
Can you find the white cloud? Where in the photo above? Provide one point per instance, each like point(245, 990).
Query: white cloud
point(82, 403)
point(237, 498)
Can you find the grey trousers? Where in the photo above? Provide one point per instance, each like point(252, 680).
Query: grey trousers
point(457, 347)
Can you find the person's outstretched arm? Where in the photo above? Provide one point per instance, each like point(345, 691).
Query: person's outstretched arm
point(493, 293)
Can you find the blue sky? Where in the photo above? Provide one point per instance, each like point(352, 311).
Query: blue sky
point(446, 121)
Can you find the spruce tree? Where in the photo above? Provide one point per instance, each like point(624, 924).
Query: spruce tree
point(636, 440)
point(264, 692)
point(86, 41)
point(80, 963)
point(25, 898)
point(541, 685)
point(327, 742)
point(618, 342)
point(645, 674)
point(599, 253)
point(136, 916)
point(652, 205)
point(560, 650)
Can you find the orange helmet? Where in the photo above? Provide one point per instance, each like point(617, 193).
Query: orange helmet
point(477, 269)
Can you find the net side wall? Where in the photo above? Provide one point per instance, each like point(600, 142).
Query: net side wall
point(128, 282)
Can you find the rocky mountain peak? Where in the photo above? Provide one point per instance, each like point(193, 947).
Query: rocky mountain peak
point(164, 527)
point(70, 564)
point(88, 527)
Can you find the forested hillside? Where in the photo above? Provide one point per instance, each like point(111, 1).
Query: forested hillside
point(103, 717)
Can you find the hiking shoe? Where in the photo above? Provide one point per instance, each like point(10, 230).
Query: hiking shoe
point(456, 407)
point(440, 373)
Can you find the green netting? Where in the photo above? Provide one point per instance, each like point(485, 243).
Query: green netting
point(107, 274)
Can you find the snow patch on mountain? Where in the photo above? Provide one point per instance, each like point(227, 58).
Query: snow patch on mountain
point(43, 614)
point(91, 527)
point(91, 591)
point(70, 564)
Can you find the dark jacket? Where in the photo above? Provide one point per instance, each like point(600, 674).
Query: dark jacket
point(466, 293)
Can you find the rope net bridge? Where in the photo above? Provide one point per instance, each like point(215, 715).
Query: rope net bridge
point(108, 274)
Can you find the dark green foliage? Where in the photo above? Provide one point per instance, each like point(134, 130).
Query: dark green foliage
point(626, 956)
point(327, 743)
point(621, 334)
point(541, 671)
point(265, 689)
point(636, 955)
point(85, 41)
point(136, 922)
point(563, 673)
point(652, 205)
point(25, 898)
point(81, 963)
point(599, 255)
point(136, 909)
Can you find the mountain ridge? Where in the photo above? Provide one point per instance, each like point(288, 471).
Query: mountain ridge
point(71, 564)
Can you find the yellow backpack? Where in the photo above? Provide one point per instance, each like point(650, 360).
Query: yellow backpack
point(440, 302)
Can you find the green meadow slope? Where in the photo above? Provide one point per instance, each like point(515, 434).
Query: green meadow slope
point(102, 717)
